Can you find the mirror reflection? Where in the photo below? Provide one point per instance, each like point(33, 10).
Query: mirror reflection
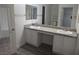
point(31, 12)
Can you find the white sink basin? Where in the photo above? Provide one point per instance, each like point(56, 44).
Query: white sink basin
point(64, 32)
point(35, 27)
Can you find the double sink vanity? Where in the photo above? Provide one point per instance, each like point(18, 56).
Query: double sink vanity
point(55, 25)
point(63, 41)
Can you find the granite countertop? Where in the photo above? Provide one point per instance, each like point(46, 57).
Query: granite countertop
point(52, 30)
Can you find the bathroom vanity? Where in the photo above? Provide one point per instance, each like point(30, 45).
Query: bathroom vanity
point(63, 42)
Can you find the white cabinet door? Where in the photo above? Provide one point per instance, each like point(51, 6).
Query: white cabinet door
point(35, 38)
point(28, 36)
point(64, 45)
point(58, 44)
point(32, 37)
point(69, 45)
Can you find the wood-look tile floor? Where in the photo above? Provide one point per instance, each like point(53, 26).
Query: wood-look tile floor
point(4, 46)
point(27, 49)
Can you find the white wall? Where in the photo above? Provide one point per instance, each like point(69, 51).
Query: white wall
point(77, 20)
point(20, 21)
point(74, 19)
point(77, 27)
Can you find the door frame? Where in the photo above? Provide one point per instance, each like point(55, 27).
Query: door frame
point(11, 22)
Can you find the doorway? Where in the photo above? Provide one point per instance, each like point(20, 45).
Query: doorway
point(67, 17)
point(7, 41)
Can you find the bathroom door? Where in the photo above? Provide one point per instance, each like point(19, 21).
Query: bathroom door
point(67, 17)
point(7, 29)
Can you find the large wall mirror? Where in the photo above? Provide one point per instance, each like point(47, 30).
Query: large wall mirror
point(53, 15)
point(31, 12)
point(60, 15)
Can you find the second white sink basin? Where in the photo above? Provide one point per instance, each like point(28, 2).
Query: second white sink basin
point(65, 32)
